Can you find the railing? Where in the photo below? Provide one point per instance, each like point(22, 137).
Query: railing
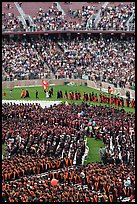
point(129, 20)
point(21, 13)
point(59, 8)
point(132, 23)
point(89, 22)
point(17, 32)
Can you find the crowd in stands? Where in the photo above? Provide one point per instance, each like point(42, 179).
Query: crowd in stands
point(111, 18)
point(83, 16)
point(108, 59)
point(52, 138)
point(56, 20)
point(20, 60)
point(51, 20)
point(10, 21)
point(115, 18)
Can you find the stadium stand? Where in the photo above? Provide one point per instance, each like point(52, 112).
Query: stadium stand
point(89, 56)
point(74, 16)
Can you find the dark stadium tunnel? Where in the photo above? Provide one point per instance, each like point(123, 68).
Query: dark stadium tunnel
point(27, 22)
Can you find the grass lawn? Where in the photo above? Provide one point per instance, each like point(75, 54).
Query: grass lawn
point(3, 147)
point(16, 94)
point(94, 146)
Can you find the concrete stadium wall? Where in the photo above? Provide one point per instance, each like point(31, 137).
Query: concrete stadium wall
point(89, 83)
point(38, 82)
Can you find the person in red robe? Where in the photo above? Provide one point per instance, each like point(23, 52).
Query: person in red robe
point(4, 93)
point(133, 103)
point(23, 94)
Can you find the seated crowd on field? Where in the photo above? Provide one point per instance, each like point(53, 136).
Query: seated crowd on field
point(51, 141)
point(49, 144)
point(102, 183)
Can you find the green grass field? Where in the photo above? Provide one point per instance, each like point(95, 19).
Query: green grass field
point(3, 147)
point(16, 94)
point(94, 145)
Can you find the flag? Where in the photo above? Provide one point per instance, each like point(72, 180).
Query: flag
point(111, 91)
point(45, 84)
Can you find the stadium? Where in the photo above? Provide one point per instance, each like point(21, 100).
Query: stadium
point(68, 101)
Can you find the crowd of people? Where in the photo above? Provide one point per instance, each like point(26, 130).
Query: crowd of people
point(107, 59)
point(43, 144)
point(21, 61)
point(132, 22)
point(51, 20)
point(115, 100)
point(115, 18)
point(65, 128)
point(25, 165)
point(102, 183)
point(10, 21)
point(54, 135)
point(49, 140)
point(111, 17)
point(56, 20)
point(101, 58)
point(102, 98)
